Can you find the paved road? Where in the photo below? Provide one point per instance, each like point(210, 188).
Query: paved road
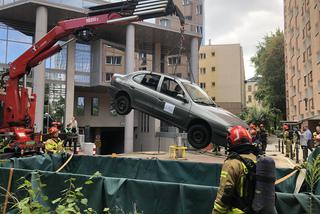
point(211, 157)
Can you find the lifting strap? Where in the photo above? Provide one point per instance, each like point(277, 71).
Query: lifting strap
point(69, 159)
point(285, 177)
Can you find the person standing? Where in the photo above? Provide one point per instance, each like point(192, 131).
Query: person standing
point(73, 125)
point(309, 138)
point(54, 144)
point(263, 137)
point(304, 143)
point(287, 140)
point(233, 196)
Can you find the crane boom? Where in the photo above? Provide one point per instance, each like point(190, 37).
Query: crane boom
point(17, 107)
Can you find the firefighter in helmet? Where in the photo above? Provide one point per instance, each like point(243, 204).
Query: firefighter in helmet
point(287, 139)
point(54, 144)
point(234, 194)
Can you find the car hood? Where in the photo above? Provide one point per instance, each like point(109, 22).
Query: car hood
point(224, 117)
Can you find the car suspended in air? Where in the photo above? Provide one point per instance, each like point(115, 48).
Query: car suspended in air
point(177, 102)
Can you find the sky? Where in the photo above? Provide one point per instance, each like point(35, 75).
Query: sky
point(242, 21)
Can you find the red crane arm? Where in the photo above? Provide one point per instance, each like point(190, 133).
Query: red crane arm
point(17, 103)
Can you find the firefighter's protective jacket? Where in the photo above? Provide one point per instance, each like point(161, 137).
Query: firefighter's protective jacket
point(54, 145)
point(231, 193)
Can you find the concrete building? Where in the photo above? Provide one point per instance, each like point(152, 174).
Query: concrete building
point(222, 76)
point(302, 59)
point(74, 81)
point(251, 86)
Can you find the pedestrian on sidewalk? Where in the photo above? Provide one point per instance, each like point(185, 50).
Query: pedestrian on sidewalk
point(304, 143)
point(287, 139)
point(309, 137)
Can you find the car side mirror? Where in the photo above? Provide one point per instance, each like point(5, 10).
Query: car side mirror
point(182, 98)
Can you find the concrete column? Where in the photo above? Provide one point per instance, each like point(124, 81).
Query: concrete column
point(39, 71)
point(129, 68)
point(156, 58)
point(71, 55)
point(195, 58)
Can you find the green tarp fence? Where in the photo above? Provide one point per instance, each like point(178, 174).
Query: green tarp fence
point(153, 186)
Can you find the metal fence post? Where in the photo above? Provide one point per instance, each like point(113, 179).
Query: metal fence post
point(297, 153)
point(282, 147)
point(279, 145)
point(291, 152)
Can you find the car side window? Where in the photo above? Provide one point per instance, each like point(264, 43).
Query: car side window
point(151, 81)
point(138, 78)
point(171, 88)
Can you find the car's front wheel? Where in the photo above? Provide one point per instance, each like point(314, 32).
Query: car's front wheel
point(122, 105)
point(199, 136)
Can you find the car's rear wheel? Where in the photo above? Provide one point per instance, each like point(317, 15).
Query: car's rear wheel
point(122, 104)
point(199, 136)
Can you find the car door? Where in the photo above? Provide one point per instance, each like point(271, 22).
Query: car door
point(144, 91)
point(173, 106)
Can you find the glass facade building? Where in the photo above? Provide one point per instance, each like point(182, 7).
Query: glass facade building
point(13, 43)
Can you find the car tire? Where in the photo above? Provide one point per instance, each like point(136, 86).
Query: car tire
point(122, 105)
point(199, 136)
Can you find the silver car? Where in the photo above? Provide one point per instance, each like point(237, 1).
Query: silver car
point(176, 101)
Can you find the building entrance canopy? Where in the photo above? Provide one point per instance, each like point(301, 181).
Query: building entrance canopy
point(146, 34)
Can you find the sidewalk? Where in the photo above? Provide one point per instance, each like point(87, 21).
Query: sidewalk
point(280, 159)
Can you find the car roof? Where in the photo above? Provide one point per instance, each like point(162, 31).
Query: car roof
point(161, 74)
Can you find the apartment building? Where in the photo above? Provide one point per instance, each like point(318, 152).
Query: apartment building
point(222, 76)
point(251, 86)
point(302, 59)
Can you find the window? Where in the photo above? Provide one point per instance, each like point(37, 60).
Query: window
point(83, 57)
point(213, 98)
point(306, 104)
point(186, 2)
point(203, 55)
point(309, 51)
point(202, 85)
point(143, 58)
point(305, 80)
point(113, 60)
point(144, 122)
point(80, 106)
point(202, 70)
point(304, 57)
point(94, 106)
point(174, 60)
point(213, 68)
point(138, 78)
point(15, 49)
point(109, 76)
point(188, 18)
point(171, 88)
point(213, 84)
point(199, 9)
point(310, 76)
point(151, 81)
point(199, 29)
point(311, 104)
point(142, 68)
point(249, 88)
point(179, 75)
point(165, 22)
point(213, 53)
point(249, 99)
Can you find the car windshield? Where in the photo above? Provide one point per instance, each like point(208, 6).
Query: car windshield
point(197, 94)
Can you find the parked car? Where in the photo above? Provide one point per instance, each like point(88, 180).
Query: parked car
point(176, 101)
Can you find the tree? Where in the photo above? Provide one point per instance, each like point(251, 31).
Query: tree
point(270, 67)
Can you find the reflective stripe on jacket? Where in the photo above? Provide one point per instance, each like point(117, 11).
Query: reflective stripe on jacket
point(233, 175)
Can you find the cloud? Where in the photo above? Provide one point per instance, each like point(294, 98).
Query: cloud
point(242, 21)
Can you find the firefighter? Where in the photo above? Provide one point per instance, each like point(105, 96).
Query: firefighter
point(235, 193)
point(54, 144)
point(263, 137)
point(287, 139)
